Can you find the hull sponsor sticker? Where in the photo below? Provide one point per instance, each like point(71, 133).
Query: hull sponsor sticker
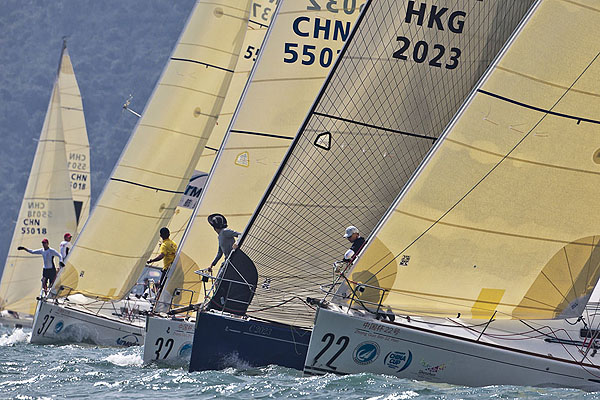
point(365, 353)
point(398, 360)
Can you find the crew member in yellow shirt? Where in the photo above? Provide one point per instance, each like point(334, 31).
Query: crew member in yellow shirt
point(168, 248)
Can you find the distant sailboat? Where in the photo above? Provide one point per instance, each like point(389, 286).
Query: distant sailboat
point(145, 186)
point(496, 235)
point(47, 209)
point(76, 138)
point(277, 97)
point(403, 73)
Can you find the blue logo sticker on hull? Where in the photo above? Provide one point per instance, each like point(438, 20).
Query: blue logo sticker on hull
point(185, 351)
point(365, 353)
point(128, 340)
point(398, 360)
point(59, 327)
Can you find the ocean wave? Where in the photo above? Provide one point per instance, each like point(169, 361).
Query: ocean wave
point(16, 336)
point(125, 360)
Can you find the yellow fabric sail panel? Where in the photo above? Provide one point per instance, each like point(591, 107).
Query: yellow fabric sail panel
point(250, 48)
point(76, 139)
point(282, 88)
point(252, 42)
point(507, 201)
point(161, 155)
point(46, 212)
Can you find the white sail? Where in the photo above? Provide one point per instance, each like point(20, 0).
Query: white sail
point(294, 61)
point(46, 212)
point(502, 219)
point(76, 139)
point(159, 159)
point(404, 73)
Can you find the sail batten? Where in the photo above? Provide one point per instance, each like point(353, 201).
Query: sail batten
point(506, 199)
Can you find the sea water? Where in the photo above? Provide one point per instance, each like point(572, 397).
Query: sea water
point(81, 371)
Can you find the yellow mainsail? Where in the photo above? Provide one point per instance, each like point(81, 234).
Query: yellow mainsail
point(503, 217)
point(299, 51)
point(159, 159)
point(76, 139)
point(46, 212)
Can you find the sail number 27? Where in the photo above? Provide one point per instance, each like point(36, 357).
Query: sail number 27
point(420, 53)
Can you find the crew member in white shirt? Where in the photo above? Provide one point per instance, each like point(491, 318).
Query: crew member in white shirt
point(65, 246)
point(49, 271)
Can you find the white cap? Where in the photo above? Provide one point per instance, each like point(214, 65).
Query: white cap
point(350, 231)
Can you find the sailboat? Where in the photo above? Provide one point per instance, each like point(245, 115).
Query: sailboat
point(76, 139)
point(380, 110)
point(48, 208)
point(278, 95)
point(145, 186)
point(474, 272)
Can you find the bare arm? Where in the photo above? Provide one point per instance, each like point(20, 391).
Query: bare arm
point(157, 258)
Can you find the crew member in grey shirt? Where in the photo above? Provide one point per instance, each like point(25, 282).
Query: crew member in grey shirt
point(226, 237)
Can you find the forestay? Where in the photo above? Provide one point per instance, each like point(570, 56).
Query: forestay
point(279, 94)
point(76, 139)
point(46, 212)
point(160, 157)
point(503, 216)
point(402, 76)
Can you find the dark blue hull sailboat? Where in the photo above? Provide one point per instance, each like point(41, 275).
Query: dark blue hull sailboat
point(222, 341)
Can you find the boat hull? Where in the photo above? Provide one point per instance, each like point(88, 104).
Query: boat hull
point(12, 322)
point(168, 341)
point(222, 341)
point(59, 324)
point(348, 344)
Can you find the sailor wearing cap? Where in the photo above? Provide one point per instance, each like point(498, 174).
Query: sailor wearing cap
point(357, 243)
point(65, 245)
point(226, 237)
point(48, 254)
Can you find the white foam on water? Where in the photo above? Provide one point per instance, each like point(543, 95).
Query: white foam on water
point(125, 360)
point(16, 336)
point(234, 361)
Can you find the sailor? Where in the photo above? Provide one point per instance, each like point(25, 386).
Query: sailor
point(357, 243)
point(168, 249)
point(48, 254)
point(226, 237)
point(65, 246)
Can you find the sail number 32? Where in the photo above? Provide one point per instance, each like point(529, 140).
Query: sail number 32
point(420, 53)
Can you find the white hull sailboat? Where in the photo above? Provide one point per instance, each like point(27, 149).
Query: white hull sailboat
point(278, 95)
point(455, 351)
point(110, 254)
point(486, 260)
point(53, 202)
point(94, 322)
